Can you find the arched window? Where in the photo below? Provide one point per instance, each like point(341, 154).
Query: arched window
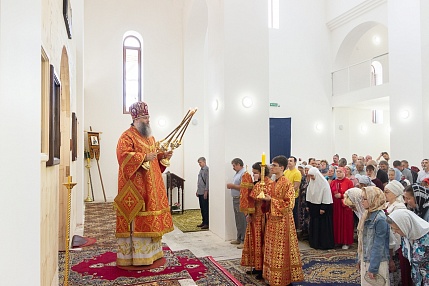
point(132, 69)
point(376, 73)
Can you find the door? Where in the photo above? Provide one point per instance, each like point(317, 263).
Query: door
point(280, 135)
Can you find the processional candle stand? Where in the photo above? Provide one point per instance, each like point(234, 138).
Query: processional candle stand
point(69, 185)
point(261, 195)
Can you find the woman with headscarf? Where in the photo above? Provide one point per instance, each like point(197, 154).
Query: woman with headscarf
point(353, 199)
point(331, 174)
point(324, 167)
point(417, 199)
point(373, 238)
point(364, 181)
point(319, 202)
point(342, 214)
point(393, 192)
point(415, 242)
point(350, 176)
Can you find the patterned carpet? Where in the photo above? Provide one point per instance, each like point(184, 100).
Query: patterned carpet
point(321, 267)
point(331, 267)
point(96, 264)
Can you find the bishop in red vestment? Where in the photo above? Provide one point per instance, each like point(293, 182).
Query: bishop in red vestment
point(142, 209)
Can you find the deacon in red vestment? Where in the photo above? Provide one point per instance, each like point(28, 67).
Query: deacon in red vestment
point(253, 251)
point(282, 260)
point(342, 214)
point(142, 209)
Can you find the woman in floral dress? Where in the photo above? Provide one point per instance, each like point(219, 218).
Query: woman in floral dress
point(415, 242)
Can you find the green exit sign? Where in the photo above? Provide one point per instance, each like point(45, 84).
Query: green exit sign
point(274, 104)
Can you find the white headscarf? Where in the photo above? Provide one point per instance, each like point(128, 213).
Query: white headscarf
point(355, 196)
point(318, 191)
point(410, 224)
point(396, 188)
point(364, 179)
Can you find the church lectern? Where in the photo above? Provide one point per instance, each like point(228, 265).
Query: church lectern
point(174, 181)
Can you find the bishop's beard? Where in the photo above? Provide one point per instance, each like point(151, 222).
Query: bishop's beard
point(143, 129)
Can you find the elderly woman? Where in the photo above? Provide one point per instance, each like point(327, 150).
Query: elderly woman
point(319, 202)
point(364, 181)
point(331, 174)
point(343, 216)
point(324, 167)
point(350, 176)
point(415, 242)
point(373, 247)
point(393, 192)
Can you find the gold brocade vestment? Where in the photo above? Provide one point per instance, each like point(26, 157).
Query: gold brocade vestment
point(142, 197)
point(282, 260)
point(253, 250)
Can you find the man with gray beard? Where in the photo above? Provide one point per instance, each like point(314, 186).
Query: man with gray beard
point(142, 208)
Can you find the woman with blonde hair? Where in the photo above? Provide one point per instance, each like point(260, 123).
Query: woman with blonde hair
point(373, 238)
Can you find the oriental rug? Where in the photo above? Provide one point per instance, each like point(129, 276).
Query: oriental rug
point(321, 267)
point(98, 267)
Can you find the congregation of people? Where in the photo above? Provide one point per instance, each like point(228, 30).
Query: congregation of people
point(285, 200)
point(376, 208)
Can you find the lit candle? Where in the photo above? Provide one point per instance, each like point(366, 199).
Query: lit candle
point(263, 158)
point(70, 179)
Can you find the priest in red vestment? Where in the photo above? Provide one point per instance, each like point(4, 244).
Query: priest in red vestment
point(253, 251)
point(342, 214)
point(282, 260)
point(142, 209)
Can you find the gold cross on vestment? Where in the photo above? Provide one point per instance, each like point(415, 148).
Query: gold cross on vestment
point(129, 201)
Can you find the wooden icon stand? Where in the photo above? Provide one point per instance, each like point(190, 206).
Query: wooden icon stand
point(94, 152)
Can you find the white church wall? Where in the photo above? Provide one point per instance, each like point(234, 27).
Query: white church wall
point(409, 89)
point(300, 77)
point(237, 65)
point(196, 138)
point(335, 8)
point(20, 147)
point(160, 25)
point(356, 133)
